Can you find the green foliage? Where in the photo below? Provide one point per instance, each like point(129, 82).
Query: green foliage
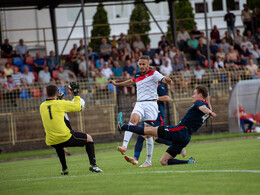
point(183, 10)
point(140, 14)
point(252, 4)
point(100, 17)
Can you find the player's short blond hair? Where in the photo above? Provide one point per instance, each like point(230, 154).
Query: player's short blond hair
point(144, 57)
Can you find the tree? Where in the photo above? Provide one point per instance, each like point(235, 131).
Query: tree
point(100, 17)
point(253, 4)
point(140, 14)
point(183, 10)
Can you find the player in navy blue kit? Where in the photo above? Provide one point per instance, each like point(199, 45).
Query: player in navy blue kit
point(179, 135)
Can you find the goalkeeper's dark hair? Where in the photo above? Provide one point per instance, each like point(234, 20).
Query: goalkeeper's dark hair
point(51, 90)
point(202, 90)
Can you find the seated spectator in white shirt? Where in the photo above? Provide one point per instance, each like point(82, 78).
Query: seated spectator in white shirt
point(21, 49)
point(65, 76)
point(83, 67)
point(107, 71)
point(45, 76)
point(246, 43)
point(219, 64)
point(18, 76)
point(199, 72)
point(256, 52)
point(28, 77)
point(166, 68)
point(182, 38)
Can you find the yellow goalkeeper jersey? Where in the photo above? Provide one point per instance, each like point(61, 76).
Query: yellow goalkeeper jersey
point(52, 114)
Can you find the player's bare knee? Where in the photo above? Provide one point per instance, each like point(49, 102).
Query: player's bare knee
point(89, 138)
point(164, 161)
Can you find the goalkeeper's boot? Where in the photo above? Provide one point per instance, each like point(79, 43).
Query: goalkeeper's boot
point(191, 161)
point(64, 172)
point(121, 149)
point(131, 160)
point(120, 121)
point(146, 164)
point(95, 168)
point(183, 152)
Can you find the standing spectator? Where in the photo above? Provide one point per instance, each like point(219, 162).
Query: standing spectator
point(196, 33)
point(230, 18)
point(12, 90)
point(224, 45)
point(182, 38)
point(244, 120)
point(105, 49)
point(39, 62)
point(246, 43)
point(28, 77)
point(166, 68)
point(214, 34)
point(8, 70)
point(202, 52)
point(193, 44)
point(21, 49)
point(45, 76)
point(252, 68)
point(6, 49)
point(238, 40)
point(246, 18)
point(66, 76)
point(106, 71)
point(148, 51)
point(18, 77)
point(52, 61)
point(138, 43)
point(117, 70)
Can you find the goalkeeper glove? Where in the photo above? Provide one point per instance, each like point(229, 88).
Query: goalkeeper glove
point(61, 95)
point(74, 88)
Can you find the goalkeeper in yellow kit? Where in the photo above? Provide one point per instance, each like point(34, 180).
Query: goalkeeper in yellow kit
point(58, 135)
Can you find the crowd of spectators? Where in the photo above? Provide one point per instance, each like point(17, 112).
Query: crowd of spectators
point(118, 58)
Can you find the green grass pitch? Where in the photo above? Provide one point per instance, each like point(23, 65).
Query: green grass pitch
point(224, 167)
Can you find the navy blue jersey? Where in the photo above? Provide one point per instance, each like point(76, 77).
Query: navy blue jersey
point(161, 91)
point(194, 118)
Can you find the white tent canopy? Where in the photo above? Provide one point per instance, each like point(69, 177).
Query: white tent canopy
point(246, 93)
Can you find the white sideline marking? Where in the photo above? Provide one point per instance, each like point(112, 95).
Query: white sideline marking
point(139, 172)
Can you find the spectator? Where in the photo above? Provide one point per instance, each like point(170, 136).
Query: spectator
point(72, 62)
point(166, 68)
point(156, 61)
point(220, 53)
point(82, 67)
point(12, 90)
point(224, 45)
point(238, 40)
point(172, 52)
point(219, 64)
point(213, 49)
point(244, 120)
point(39, 62)
point(256, 52)
point(166, 57)
point(257, 36)
point(256, 18)
point(148, 51)
point(45, 76)
point(66, 76)
point(74, 48)
point(202, 52)
point(199, 72)
point(8, 70)
point(244, 55)
point(123, 44)
point(105, 49)
point(100, 63)
point(114, 41)
point(101, 82)
point(93, 72)
point(81, 48)
point(185, 63)
point(52, 61)
point(21, 49)
point(177, 65)
point(234, 55)
point(117, 70)
point(114, 53)
point(230, 18)
point(106, 71)
point(182, 38)
point(28, 77)
point(186, 75)
point(196, 33)
point(193, 44)
point(138, 43)
point(128, 69)
point(250, 37)
point(122, 36)
point(2, 79)
point(252, 68)
point(2, 63)
point(228, 38)
point(6, 49)
point(203, 38)
point(246, 18)
point(214, 34)
point(18, 77)
point(163, 43)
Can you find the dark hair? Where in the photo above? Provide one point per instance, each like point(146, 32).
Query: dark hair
point(145, 57)
point(203, 90)
point(51, 90)
point(9, 76)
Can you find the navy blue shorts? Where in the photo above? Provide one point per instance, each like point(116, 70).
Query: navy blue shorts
point(178, 135)
point(159, 121)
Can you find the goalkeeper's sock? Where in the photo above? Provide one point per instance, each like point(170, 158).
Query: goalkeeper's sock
point(138, 147)
point(91, 153)
point(134, 129)
point(61, 155)
point(177, 162)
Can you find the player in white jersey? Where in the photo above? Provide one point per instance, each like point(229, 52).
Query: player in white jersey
point(146, 108)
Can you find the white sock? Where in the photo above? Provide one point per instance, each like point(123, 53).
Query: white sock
point(149, 149)
point(127, 137)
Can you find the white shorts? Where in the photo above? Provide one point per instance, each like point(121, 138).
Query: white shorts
point(148, 111)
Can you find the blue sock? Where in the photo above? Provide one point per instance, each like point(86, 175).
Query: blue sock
point(135, 129)
point(163, 141)
point(177, 162)
point(138, 146)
